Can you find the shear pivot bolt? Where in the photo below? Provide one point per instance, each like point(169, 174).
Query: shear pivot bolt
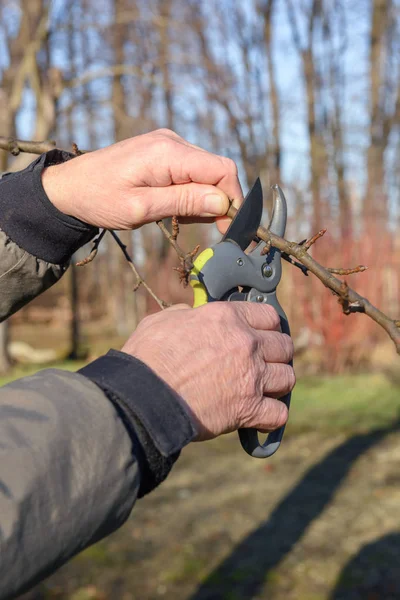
point(240, 262)
point(267, 271)
point(260, 298)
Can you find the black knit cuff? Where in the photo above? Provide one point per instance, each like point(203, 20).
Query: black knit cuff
point(31, 221)
point(153, 414)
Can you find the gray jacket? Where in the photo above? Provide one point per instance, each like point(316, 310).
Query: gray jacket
point(76, 449)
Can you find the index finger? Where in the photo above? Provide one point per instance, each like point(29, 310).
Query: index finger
point(199, 166)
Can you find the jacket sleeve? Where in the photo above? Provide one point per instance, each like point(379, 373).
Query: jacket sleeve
point(76, 449)
point(36, 240)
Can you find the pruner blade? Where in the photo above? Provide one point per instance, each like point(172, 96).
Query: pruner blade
point(279, 214)
point(243, 228)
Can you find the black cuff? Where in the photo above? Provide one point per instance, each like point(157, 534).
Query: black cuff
point(31, 221)
point(151, 411)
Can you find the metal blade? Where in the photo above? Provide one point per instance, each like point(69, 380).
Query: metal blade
point(243, 228)
point(279, 214)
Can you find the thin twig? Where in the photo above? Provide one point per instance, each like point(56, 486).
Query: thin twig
point(139, 279)
point(186, 258)
point(308, 243)
point(171, 240)
point(358, 269)
point(94, 250)
point(15, 146)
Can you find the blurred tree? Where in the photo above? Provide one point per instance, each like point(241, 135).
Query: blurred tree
point(384, 104)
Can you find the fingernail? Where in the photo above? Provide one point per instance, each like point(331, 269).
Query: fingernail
point(214, 204)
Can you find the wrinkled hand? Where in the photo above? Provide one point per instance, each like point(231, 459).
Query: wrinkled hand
point(143, 179)
point(227, 362)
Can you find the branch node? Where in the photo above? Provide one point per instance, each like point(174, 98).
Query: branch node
point(308, 243)
point(266, 248)
point(75, 149)
point(94, 250)
point(14, 148)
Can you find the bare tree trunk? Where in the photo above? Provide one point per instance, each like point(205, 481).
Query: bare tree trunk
point(375, 205)
point(318, 153)
point(275, 146)
point(337, 91)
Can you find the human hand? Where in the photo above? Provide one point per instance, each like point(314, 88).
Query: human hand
point(227, 362)
point(144, 179)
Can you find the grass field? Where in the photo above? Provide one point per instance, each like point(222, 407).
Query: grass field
point(345, 403)
point(318, 521)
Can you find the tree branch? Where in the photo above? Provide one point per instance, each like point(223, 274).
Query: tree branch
point(350, 300)
point(139, 280)
point(15, 146)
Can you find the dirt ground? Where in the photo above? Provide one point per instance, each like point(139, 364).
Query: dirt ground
point(318, 521)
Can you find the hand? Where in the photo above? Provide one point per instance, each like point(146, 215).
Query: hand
point(144, 179)
point(226, 360)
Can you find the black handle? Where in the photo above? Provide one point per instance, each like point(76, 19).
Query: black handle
point(249, 437)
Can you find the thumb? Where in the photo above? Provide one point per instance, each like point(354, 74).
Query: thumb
point(185, 200)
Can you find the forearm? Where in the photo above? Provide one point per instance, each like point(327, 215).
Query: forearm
point(36, 240)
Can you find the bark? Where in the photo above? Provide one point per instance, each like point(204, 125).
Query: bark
point(318, 154)
point(375, 205)
point(275, 145)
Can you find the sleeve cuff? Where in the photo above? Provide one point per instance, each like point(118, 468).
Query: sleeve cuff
point(151, 411)
point(31, 221)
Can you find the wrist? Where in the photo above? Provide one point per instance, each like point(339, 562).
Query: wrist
point(56, 184)
point(32, 221)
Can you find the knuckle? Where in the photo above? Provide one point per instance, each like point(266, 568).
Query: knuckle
point(230, 311)
point(291, 378)
point(286, 378)
point(140, 211)
point(282, 415)
point(230, 166)
point(273, 316)
point(213, 310)
point(249, 343)
point(186, 201)
point(146, 322)
point(165, 132)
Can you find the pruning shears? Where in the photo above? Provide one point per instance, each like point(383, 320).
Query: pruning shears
point(226, 272)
